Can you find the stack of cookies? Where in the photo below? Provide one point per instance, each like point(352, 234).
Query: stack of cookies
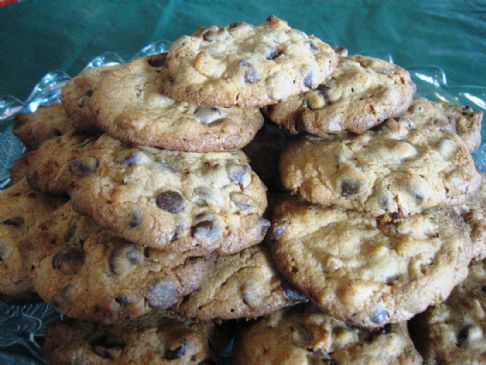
point(137, 215)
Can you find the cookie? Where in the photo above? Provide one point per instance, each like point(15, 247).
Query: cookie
point(20, 209)
point(305, 336)
point(444, 116)
point(148, 341)
point(453, 332)
point(18, 170)
point(361, 93)
point(179, 201)
point(242, 285)
point(45, 165)
point(46, 122)
point(129, 106)
point(76, 97)
point(474, 214)
point(90, 274)
point(245, 65)
point(370, 271)
point(264, 153)
point(394, 169)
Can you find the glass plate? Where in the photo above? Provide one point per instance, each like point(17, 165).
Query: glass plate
point(22, 328)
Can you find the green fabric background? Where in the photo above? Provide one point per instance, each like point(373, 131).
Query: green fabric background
point(39, 36)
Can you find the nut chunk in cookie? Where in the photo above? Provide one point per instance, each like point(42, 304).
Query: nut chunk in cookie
point(245, 65)
point(45, 123)
point(305, 336)
point(90, 274)
point(362, 92)
point(397, 168)
point(370, 271)
point(179, 201)
point(129, 105)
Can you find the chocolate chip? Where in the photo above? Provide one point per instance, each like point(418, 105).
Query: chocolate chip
point(2, 251)
point(218, 34)
point(176, 353)
point(89, 93)
point(250, 74)
point(314, 49)
point(134, 219)
point(242, 201)
point(132, 158)
point(63, 298)
point(171, 201)
point(383, 330)
point(107, 347)
point(83, 166)
point(308, 80)
point(419, 197)
point(14, 221)
point(293, 294)
point(124, 256)
point(324, 91)
point(56, 132)
point(279, 230)
point(380, 316)
point(157, 60)
point(236, 25)
point(237, 173)
point(483, 288)
point(162, 294)
point(69, 261)
point(207, 114)
point(123, 299)
point(264, 225)
point(206, 230)
point(462, 336)
point(273, 54)
point(349, 188)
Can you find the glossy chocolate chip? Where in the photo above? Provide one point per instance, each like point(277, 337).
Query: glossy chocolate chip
point(123, 299)
point(107, 347)
point(14, 221)
point(419, 197)
point(314, 49)
point(238, 173)
point(250, 74)
point(132, 158)
point(462, 336)
point(279, 230)
point(161, 294)
point(349, 188)
point(273, 54)
point(324, 91)
point(308, 79)
point(293, 294)
point(177, 353)
point(83, 166)
point(380, 316)
point(242, 201)
point(207, 114)
point(89, 93)
point(216, 34)
point(483, 288)
point(135, 220)
point(56, 132)
point(157, 60)
point(171, 201)
point(206, 230)
point(69, 261)
point(124, 256)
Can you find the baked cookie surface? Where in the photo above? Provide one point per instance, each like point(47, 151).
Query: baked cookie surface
point(90, 274)
point(179, 201)
point(361, 93)
point(147, 341)
point(370, 271)
point(305, 336)
point(20, 209)
point(76, 97)
point(242, 285)
point(245, 65)
point(128, 104)
point(396, 168)
point(46, 122)
point(453, 332)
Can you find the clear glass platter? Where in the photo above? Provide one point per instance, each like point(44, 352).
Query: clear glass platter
point(22, 327)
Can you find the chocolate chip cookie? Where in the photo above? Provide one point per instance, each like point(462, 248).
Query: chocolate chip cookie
point(361, 93)
point(370, 271)
point(305, 336)
point(245, 65)
point(454, 332)
point(180, 201)
point(46, 122)
point(129, 106)
point(474, 214)
point(76, 97)
point(90, 274)
point(242, 285)
point(148, 341)
point(444, 116)
point(45, 165)
point(20, 209)
point(396, 168)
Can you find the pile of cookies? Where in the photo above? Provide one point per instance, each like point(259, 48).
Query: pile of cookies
point(138, 216)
